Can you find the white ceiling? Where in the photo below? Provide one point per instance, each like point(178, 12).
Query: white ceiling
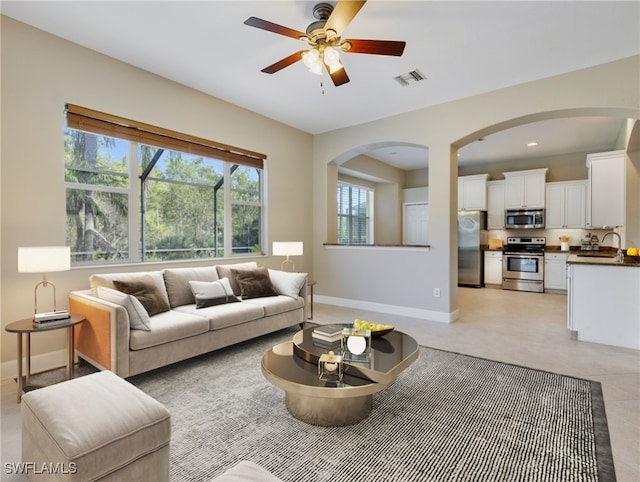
point(463, 48)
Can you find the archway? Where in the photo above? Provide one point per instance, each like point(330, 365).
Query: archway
point(628, 129)
point(386, 168)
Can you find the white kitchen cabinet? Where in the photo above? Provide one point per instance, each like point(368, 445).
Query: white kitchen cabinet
point(493, 267)
point(606, 190)
point(566, 205)
point(555, 271)
point(525, 189)
point(472, 193)
point(495, 204)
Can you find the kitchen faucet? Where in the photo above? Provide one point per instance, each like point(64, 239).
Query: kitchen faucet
point(619, 253)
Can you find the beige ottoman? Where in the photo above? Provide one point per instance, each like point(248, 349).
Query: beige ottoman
point(97, 427)
point(246, 471)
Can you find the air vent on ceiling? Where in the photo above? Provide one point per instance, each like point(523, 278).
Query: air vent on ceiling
point(410, 78)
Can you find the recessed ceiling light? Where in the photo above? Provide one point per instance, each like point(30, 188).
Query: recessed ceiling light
point(532, 144)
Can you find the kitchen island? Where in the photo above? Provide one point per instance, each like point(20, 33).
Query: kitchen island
point(603, 302)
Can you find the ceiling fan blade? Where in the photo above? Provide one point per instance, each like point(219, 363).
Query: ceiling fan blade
point(343, 14)
point(286, 62)
point(275, 28)
point(379, 47)
point(339, 77)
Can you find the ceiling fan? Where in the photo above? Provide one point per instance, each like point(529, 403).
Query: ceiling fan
point(324, 39)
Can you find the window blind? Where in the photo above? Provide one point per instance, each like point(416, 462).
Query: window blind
point(353, 214)
point(84, 119)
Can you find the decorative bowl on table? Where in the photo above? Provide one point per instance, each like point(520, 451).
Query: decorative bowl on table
point(377, 333)
point(377, 329)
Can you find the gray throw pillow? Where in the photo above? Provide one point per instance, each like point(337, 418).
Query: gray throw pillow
point(211, 293)
point(147, 293)
point(254, 283)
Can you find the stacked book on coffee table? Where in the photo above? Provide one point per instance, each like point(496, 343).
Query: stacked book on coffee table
point(327, 336)
point(51, 318)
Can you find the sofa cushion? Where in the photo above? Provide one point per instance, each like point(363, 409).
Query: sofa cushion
point(138, 316)
point(211, 293)
point(177, 283)
point(147, 292)
point(254, 283)
point(222, 316)
point(224, 271)
point(167, 327)
point(288, 284)
point(274, 305)
point(108, 278)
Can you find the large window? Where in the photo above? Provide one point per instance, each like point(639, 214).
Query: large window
point(355, 214)
point(131, 200)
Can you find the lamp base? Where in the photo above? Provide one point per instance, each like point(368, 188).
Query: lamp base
point(288, 262)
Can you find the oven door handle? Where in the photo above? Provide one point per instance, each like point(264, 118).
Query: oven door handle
point(520, 253)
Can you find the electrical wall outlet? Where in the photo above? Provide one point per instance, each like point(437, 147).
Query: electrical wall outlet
point(436, 292)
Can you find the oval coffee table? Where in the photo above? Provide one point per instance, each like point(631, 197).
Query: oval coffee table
point(293, 367)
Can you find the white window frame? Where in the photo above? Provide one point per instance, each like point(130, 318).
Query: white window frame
point(370, 205)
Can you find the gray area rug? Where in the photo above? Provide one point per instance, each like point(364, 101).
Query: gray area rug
point(448, 417)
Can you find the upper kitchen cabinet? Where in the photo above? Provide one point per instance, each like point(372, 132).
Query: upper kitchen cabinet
point(525, 189)
point(495, 204)
point(606, 192)
point(566, 204)
point(472, 192)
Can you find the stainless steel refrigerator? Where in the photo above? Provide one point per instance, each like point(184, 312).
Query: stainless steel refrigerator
point(472, 236)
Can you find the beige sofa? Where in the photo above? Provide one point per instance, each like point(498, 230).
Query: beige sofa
point(153, 319)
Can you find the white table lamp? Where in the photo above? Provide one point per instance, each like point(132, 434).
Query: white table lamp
point(287, 248)
point(44, 259)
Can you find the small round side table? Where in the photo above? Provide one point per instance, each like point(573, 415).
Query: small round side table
point(26, 326)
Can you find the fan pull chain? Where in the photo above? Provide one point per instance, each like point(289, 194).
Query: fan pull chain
point(321, 88)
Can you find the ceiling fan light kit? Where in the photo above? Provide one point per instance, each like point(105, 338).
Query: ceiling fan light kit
point(323, 36)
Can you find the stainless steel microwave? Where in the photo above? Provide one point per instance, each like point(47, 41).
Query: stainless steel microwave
point(524, 218)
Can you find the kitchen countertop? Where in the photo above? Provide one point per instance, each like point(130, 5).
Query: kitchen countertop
point(575, 258)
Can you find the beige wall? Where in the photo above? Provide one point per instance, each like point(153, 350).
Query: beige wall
point(40, 73)
point(568, 167)
point(417, 178)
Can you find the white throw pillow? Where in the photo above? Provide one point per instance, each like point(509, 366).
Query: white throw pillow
point(138, 316)
point(211, 293)
point(288, 284)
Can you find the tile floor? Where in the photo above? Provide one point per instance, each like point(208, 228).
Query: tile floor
point(528, 329)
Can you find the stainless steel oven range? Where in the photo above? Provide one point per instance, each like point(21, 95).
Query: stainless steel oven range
point(523, 264)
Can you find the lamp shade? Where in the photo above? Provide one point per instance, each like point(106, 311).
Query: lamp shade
point(287, 248)
point(44, 259)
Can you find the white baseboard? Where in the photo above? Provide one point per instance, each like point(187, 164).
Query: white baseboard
point(39, 363)
point(439, 316)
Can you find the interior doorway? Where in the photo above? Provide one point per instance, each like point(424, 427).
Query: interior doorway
point(415, 222)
